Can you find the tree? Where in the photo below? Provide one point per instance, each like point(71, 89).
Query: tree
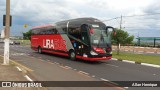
point(27, 35)
point(122, 37)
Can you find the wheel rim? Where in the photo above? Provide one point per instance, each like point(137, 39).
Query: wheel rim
point(72, 55)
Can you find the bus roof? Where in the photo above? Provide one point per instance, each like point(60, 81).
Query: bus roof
point(81, 20)
point(44, 26)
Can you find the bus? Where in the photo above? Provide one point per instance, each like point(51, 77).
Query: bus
point(81, 38)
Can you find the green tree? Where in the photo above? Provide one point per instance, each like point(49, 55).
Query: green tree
point(122, 37)
point(27, 35)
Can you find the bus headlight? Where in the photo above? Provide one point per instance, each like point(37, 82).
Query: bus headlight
point(93, 53)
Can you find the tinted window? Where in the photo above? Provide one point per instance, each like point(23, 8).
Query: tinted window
point(76, 32)
point(44, 31)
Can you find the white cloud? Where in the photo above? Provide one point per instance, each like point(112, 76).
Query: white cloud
point(44, 11)
point(37, 12)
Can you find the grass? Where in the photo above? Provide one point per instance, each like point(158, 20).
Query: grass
point(24, 42)
point(140, 58)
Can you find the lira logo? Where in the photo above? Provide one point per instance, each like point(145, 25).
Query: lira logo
point(56, 44)
point(48, 43)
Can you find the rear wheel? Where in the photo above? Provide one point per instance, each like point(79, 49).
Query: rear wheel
point(39, 50)
point(72, 55)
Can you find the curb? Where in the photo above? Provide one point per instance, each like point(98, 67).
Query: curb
point(134, 62)
point(24, 68)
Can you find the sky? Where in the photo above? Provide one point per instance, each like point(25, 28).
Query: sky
point(41, 12)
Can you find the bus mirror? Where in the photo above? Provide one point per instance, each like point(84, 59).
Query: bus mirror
point(111, 29)
point(114, 33)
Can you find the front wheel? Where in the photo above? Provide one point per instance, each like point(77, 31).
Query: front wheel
point(72, 55)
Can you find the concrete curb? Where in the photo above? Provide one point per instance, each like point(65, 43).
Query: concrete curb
point(24, 68)
point(134, 62)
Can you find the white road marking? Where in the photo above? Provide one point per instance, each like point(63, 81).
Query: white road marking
point(28, 78)
point(93, 76)
point(82, 72)
point(152, 65)
point(18, 54)
point(126, 87)
point(56, 63)
point(65, 67)
point(104, 79)
point(128, 61)
point(114, 59)
point(112, 65)
point(68, 67)
point(50, 63)
point(154, 74)
point(19, 69)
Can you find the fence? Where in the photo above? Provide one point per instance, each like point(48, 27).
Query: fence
point(136, 49)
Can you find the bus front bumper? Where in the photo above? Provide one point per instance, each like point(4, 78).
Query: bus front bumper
point(94, 58)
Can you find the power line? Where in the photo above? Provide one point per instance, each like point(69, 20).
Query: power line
point(143, 15)
point(131, 16)
point(110, 19)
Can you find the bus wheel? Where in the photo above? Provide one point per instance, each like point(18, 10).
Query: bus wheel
point(39, 50)
point(72, 55)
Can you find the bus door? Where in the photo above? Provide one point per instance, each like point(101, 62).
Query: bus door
point(85, 40)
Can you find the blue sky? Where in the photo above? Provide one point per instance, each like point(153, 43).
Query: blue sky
point(40, 12)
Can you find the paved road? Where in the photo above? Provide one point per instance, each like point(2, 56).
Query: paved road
point(101, 70)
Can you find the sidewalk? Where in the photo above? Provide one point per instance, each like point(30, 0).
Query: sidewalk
point(11, 73)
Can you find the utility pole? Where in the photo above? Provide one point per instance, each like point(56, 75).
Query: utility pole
point(7, 34)
point(118, 44)
point(121, 23)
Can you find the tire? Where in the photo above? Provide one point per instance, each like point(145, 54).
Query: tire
point(40, 50)
point(72, 55)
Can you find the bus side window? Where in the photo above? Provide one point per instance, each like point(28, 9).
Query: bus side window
point(75, 32)
point(65, 30)
point(43, 32)
point(55, 31)
point(37, 31)
point(34, 31)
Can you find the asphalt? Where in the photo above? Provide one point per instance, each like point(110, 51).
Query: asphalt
point(45, 67)
point(41, 70)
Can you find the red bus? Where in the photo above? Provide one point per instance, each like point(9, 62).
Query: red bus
point(82, 38)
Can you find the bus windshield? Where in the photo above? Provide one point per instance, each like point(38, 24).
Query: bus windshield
point(100, 38)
